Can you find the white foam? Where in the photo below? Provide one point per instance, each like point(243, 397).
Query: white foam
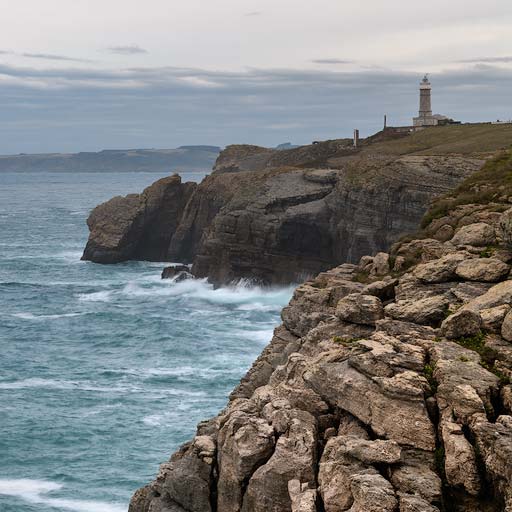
point(103, 296)
point(30, 316)
point(36, 492)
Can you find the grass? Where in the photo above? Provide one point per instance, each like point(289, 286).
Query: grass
point(466, 139)
point(346, 342)
point(485, 186)
point(488, 355)
point(428, 372)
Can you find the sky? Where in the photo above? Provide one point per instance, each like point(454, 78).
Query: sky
point(86, 75)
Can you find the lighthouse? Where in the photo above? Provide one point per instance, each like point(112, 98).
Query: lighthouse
point(425, 117)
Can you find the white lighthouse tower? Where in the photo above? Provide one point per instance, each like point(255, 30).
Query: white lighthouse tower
point(425, 117)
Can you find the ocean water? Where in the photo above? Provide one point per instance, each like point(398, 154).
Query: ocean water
point(104, 370)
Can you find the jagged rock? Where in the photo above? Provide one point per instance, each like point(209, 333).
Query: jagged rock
point(401, 417)
point(174, 271)
point(245, 444)
point(373, 452)
point(441, 270)
point(444, 233)
point(415, 504)
point(380, 264)
point(384, 290)
point(498, 295)
point(492, 318)
point(303, 499)
point(494, 442)
point(138, 226)
point(506, 327)
point(506, 398)
point(478, 235)
point(415, 476)
point(462, 323)
point(460, 460)
point(360, 309)
point(505, 227)
point(429, 311)
point(372, 493)
point(482, 269)
point(294, 458)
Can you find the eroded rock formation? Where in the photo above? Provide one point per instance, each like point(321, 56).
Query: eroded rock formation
point(277, 216)
point(386, 388)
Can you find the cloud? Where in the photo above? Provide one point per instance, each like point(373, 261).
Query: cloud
point(253, 13)
point(171, 106)
point(332, 61)
point(51, 56)
point(491, 60)
point(127, 50)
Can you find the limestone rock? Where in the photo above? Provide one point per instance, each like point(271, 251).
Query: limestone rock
point(302, 497)
point(441, 270)
point(482, 269)
point(479, 234)
point(506, 327)
point(138, 226)
point(415, 504)
point(372, 493)
point(492, 318)
point(360, 309)
point(462, 323)
point(429, 311)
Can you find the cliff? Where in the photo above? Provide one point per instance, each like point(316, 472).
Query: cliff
point(386, 388)
point(279, 216)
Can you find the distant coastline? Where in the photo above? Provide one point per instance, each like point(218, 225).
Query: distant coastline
point(184, 159)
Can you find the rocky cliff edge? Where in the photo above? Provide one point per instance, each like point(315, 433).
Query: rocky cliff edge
point(386, 388)
point(283, 216)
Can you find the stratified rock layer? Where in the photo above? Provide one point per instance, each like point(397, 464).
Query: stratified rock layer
point(379, 393)
point(279, 216)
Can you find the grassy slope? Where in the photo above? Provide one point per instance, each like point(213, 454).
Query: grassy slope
point(466, 139)
point(492, 183)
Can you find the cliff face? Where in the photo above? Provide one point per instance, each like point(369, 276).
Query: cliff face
point(282, 216)
point(138, 226)
point(386, 388)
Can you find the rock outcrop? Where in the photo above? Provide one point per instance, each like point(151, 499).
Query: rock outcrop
point(381, 391)
point(279, 216)
point(138, 226)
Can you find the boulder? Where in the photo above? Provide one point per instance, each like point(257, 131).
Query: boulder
point(380, 264)
point(372, 493)
point(462, 323)
point(505, 227)
point(441, 270)
point(173, 271)
point(506, 327)
point(429, 311)
point(479, 234)
point(492, 318)
point(360, 309)
point(302, 497)
point(488, 270)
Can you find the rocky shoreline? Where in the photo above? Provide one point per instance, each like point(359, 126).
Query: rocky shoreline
point(386, 388)
point(277, 217)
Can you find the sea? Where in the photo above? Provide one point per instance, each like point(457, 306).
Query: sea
point(104, 369)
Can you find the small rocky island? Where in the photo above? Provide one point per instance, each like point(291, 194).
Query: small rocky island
point(387, 388)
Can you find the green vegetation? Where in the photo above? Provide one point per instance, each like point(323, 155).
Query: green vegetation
point(428, 372)
point(488, 355)
point(485, 186)
point(345, 341)
point(465, 139)
point(439, 457)
point(488, 252)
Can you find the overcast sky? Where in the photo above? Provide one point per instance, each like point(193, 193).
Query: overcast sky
point(83, 75)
